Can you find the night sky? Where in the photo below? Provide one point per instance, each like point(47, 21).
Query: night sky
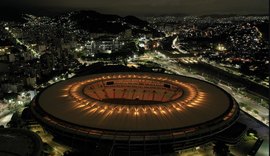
point(143, 7)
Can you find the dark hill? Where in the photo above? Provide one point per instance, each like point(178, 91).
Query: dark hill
point(135, 21)
point(93, 21)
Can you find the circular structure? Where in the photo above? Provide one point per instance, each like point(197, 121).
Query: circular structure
point(19, 142)
point(138, 107)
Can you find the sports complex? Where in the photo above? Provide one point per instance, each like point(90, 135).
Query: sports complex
point(135, 112)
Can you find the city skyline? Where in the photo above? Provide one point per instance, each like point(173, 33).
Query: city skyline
point(184, 77)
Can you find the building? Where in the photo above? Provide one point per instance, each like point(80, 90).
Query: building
point(135, 113)
point(9, 87)
point(107, 44)
point(19, 142)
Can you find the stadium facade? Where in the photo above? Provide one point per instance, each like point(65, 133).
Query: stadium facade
point(135, 113)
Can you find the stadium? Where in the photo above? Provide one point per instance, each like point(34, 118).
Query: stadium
point(135, 113)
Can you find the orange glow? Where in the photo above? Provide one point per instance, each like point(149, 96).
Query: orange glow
point(144, 111)
point(194, 98)
point(127, 111)
point(102, 110)
point(93, 110)
point(162, 112)
point(136, 113)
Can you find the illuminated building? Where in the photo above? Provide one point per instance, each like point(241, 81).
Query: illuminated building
point(136, 112)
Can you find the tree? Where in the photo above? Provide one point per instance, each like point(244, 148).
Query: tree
point(15, 121)
point(248, 108)
point(255, 111)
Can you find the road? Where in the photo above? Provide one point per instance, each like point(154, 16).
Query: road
point(18, 41)
point(57, 148)
point(263, 113)
point(175, 68)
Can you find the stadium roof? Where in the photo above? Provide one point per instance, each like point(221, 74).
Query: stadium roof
point(136, 102)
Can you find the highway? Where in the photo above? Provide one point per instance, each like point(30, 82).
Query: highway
point(174, 68)
point(18, 41)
